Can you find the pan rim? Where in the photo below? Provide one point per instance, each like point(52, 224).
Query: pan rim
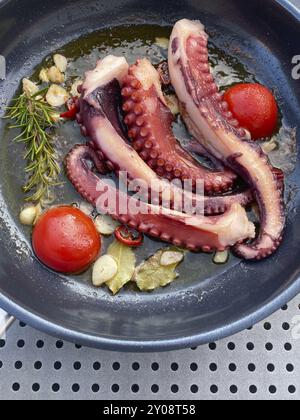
point(151, 346)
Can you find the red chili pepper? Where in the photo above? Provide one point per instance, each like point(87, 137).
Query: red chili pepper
point(72, 105)
point(129, 237)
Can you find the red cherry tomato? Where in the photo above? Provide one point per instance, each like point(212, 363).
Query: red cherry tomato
point(255, 107)
point(72, 105)
point(129, 237)
point(66, 240)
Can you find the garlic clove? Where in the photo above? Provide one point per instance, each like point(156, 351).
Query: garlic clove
point(104, 270)
point(86, 208)
point(43, 76)
point(170, 258)
point(29, 215)
point(61, 62)
point(55, 75)
point(56, 96)
point(106, 225)
point(221, 257)
point(269, 147)
point(29, 88)
point(74, 88)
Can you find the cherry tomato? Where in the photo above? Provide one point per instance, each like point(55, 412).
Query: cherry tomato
point(66, 240)
point(72, 105)
point(129, 237)
point(255, 107)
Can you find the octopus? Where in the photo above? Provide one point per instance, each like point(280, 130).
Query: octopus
point(123, 112)
point(155, 141)
point(213, 126)
point(110, 141)
point(183, 230)
point(109, 150)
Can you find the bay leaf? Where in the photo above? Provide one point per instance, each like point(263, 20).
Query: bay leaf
point(126, 261)
point(151, 275)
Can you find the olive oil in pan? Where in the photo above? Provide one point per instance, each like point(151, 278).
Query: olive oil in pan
point(132, 42)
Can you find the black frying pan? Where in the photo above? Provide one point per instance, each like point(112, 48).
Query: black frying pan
point(190, 312)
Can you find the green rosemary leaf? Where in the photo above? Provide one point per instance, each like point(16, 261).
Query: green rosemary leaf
point(34, 117)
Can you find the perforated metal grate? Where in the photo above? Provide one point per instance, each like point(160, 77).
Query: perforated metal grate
point(261, 363)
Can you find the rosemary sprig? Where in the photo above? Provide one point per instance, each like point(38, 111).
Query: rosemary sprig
point(35, 118)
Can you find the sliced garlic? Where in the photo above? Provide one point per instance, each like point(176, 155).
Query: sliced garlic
point(106, 225)
point(43, 76)
point(61, 62)
point(86, 208)
point(28, 215)
point(57, 96)
point(269, 147)
point(74, 88)
point(173, 104)
point(55, 75)
point(104, 270)
point(221, 257)
point(162, 43)
point(29, 88)
point(170, 258)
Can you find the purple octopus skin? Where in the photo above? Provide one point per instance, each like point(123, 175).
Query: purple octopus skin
point(149, 121)
point(191, 232)
point(100, 119)
point(211, 123)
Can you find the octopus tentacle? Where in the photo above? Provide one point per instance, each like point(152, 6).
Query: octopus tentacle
point(149, 122)
point(213, 125)
point(219, 204)
point(100, 118)
point(192, 232)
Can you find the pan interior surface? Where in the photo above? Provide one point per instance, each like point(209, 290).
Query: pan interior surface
point(198, 308)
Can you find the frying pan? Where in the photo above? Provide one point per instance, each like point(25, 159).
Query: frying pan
point(190, 312)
